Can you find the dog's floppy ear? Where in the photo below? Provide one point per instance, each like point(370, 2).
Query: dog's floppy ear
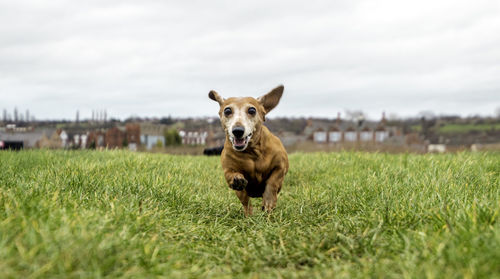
point(271, 99)
point(216, 97)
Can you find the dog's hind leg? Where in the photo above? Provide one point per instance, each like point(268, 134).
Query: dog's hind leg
point(273, 187)
point(245, 201)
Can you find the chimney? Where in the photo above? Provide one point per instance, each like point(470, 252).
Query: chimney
point(16, 118)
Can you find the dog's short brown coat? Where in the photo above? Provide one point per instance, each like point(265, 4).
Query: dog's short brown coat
point(260, 169)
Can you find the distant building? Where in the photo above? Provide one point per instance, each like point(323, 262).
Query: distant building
point(215, 137)
point(54, 142)
point(350, 135)
point(381, 134)
point(133, 135)
point(364, 132)
point(193, 137)
point(335, 135)
point(115, 137)
point(27, 135)
point(320, 136)
point(290, 138)
point(366, 135)
point(75, 138)
point(95, 138)
point(152, 135)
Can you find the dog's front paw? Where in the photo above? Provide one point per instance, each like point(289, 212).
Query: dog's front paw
point(239, 183)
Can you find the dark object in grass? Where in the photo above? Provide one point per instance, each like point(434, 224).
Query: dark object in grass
point(213, 151)
point(11, 145)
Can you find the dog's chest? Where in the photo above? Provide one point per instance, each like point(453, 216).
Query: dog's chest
point(256, 170)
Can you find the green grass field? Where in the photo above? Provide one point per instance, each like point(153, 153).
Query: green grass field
point(97, 214)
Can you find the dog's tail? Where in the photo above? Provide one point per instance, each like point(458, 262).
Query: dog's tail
point(213, 151)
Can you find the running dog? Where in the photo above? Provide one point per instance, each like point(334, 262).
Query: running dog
point(253, 159)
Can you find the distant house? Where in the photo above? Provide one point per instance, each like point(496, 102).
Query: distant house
point(351, 135)
point(75, 139)
point(95, 138)
point(290, 138)
point(366, 134)
point(64, 138)
point(115, 137)
point(27, 135)
point(215, 137)
point(334, 135)
point(381, 134)
point(120, 137)
point(152, 135)
point(149, 141)
point(133, 135)
point(193, 137)
point(363, 132)
point(320, 136)
point(54, 142)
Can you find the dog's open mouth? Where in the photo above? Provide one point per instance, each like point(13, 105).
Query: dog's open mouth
point(241, 144)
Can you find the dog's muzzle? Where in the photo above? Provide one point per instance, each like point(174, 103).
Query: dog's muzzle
point(238, 140)
point(241, 144)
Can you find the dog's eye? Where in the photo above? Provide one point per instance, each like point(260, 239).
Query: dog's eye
point(252, 111)
point(228, 111)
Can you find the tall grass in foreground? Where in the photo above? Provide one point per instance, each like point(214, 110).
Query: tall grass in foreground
point(119, 214)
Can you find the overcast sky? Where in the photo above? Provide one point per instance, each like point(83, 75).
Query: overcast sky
point(159, 58)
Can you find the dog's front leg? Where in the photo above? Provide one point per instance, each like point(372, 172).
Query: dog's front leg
point(235, 180)
point(245, 201)
point(273, 186)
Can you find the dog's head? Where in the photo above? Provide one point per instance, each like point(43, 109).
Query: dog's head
point(242, 117)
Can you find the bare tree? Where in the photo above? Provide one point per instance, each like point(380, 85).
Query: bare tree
point(354, 115)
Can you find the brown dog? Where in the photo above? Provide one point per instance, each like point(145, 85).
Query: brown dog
point(254, 160)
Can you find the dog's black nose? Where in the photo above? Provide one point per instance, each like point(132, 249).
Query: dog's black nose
point(238, 131)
